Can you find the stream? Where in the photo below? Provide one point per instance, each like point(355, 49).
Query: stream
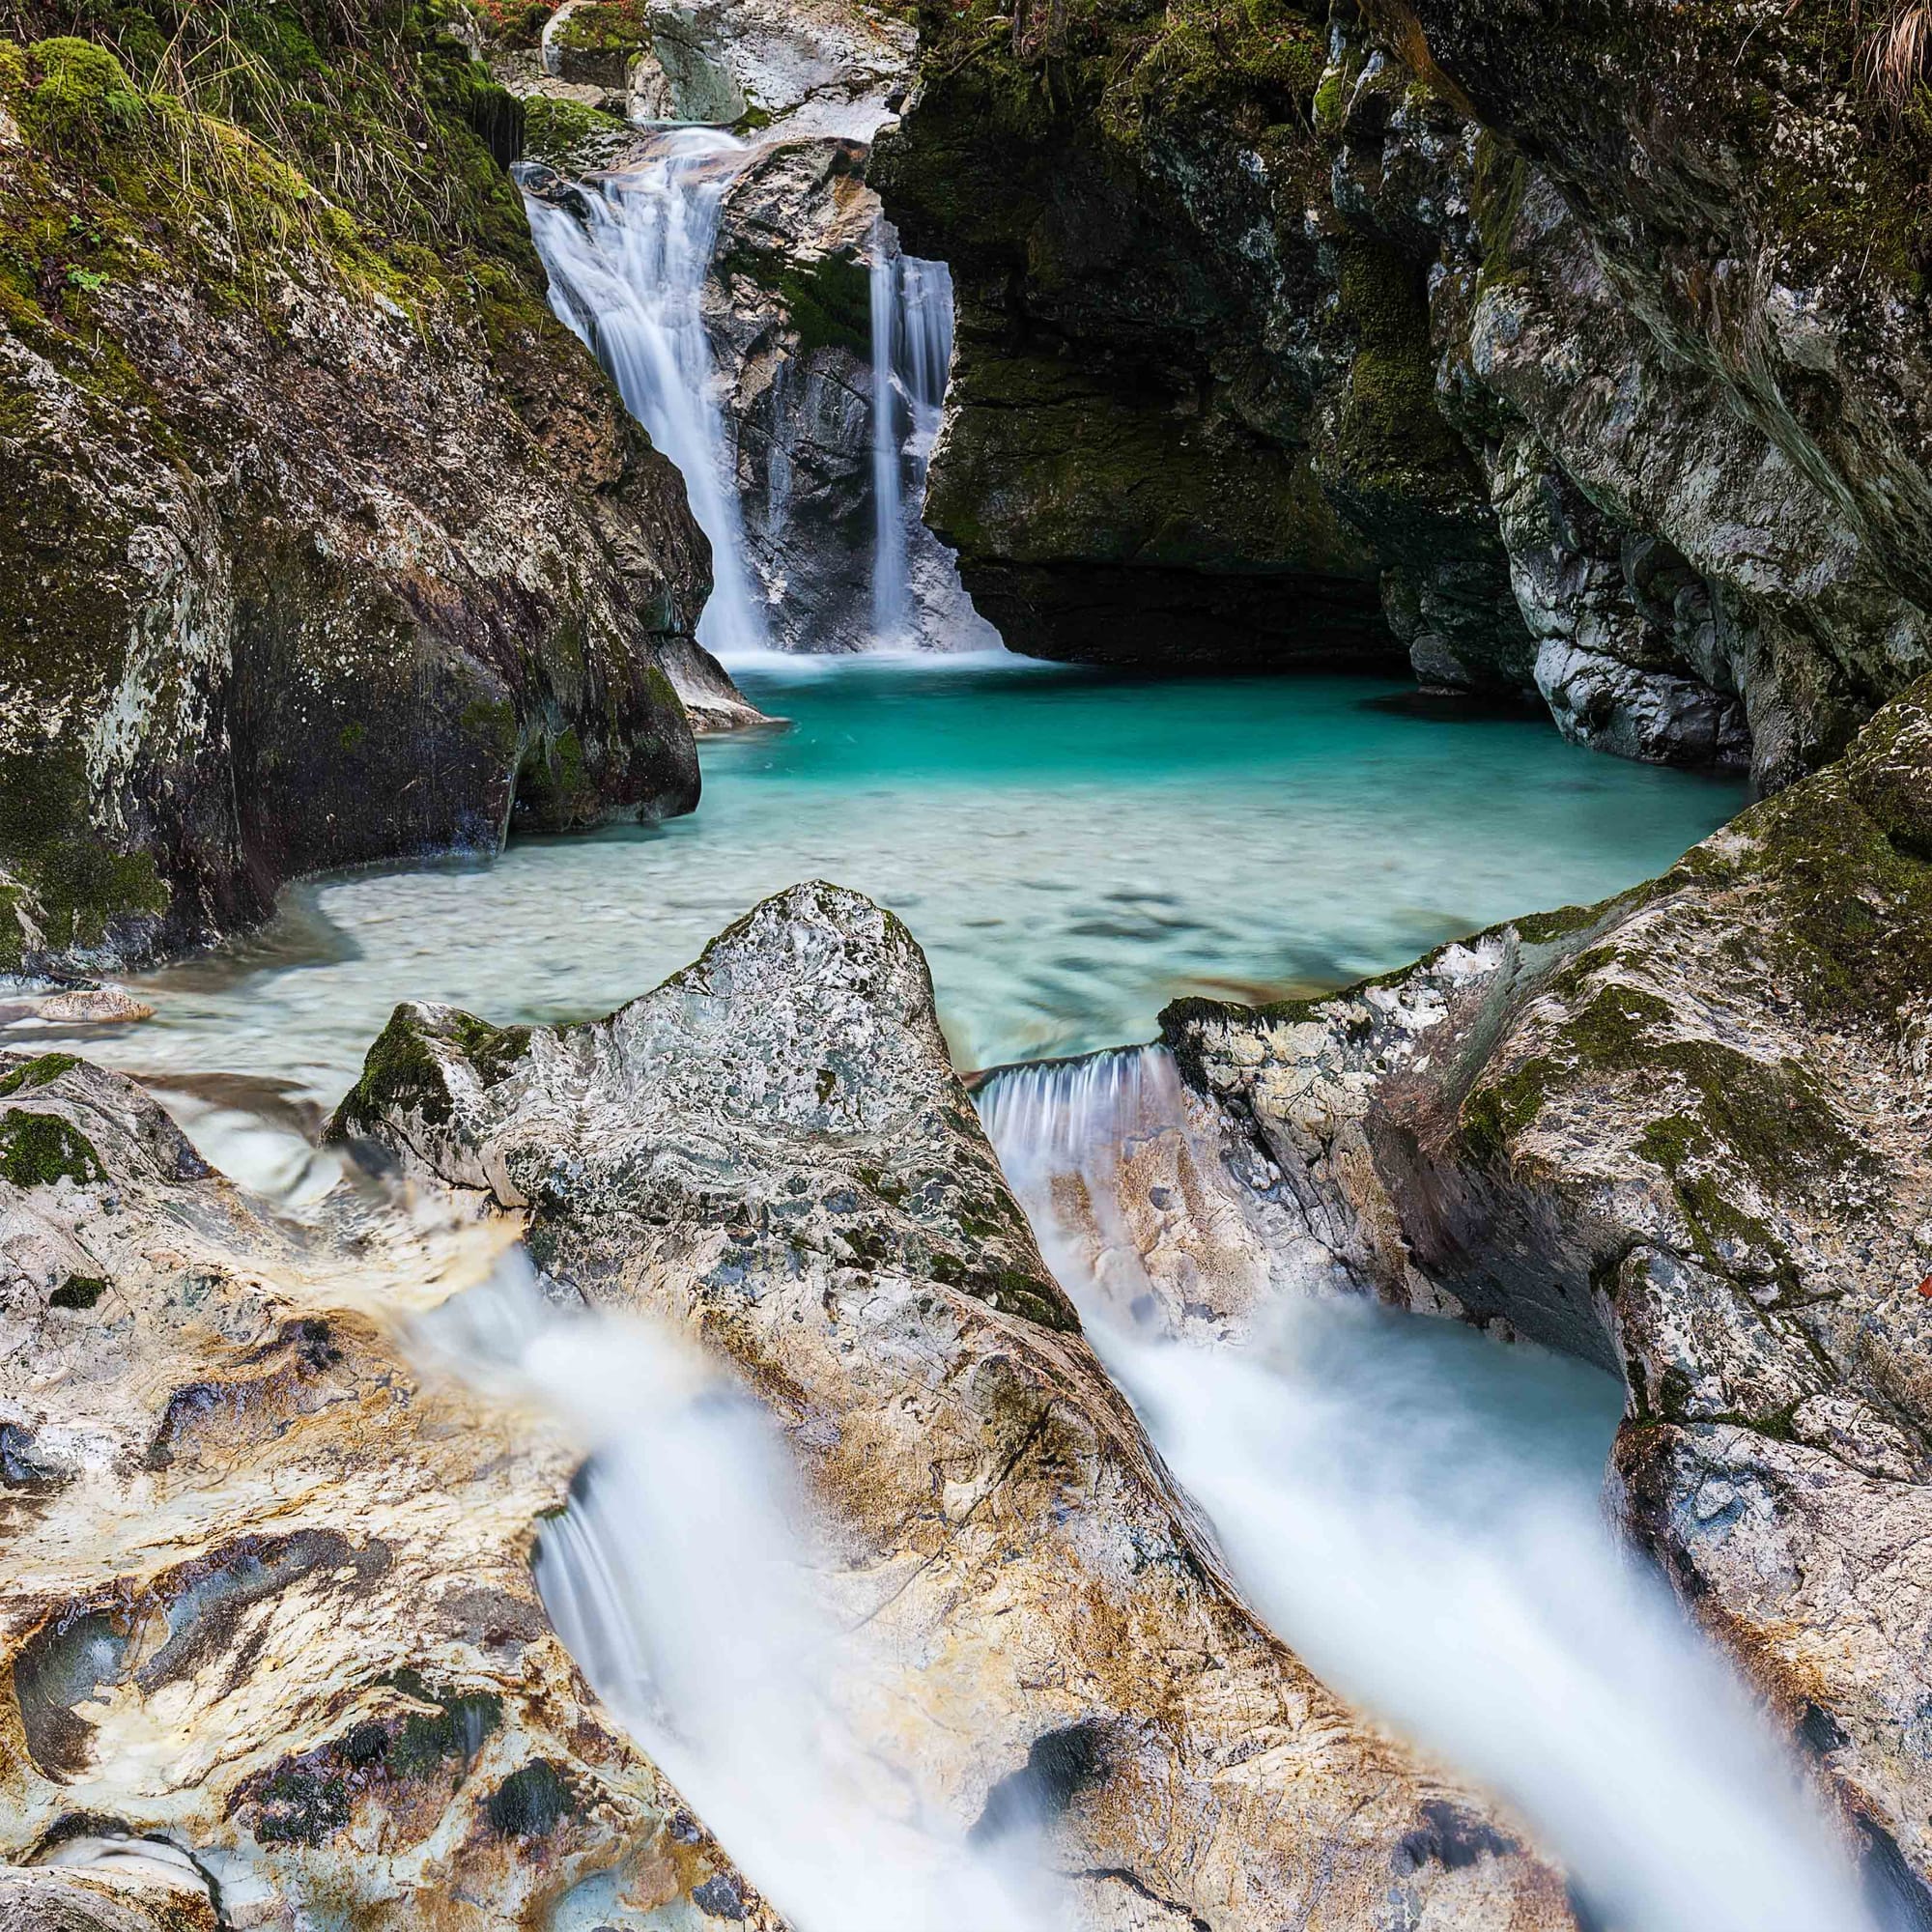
point(1414, 1508)
point(1072, 850)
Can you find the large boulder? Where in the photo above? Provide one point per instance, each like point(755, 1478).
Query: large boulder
point(1684, 1135)
point(323, 543)
point(267, 1624)
point(771, 1153)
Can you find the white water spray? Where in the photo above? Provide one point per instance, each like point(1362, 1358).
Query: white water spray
point(912, 356)
point(1417, 1511)
point(680, 1579)
point(627, 277)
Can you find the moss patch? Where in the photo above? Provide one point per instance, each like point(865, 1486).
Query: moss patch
point(829, 301)
point(532, 1801)
point(40, 1072)
point(401, 1074)
point(38, 1149)
point(79, 1292)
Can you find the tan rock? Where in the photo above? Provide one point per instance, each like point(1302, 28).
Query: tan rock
point(771, 1153)
point(266, 1594)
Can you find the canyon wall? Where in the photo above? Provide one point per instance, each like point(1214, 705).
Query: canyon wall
point(323, 542)
point(1579, 361)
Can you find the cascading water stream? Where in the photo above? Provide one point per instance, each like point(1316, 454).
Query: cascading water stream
point(680, 1579)
point(1417, 1511)
point(912, 356)
point(627, 268)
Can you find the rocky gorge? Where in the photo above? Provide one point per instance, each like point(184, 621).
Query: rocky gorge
point(744, 1458)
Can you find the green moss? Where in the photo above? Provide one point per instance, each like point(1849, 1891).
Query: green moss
point(401, 1073)
point(1330, 98)
point(829, 301)
point(423, 1745)
point(83, 891)
point(571, 137)
point(82, 100)
point(297, 1806)
point(400, 1076)
point(493, 723)
point(1765, 1121)
point(1391, 435)
point(1849, 928)
point(607, 26)
point(555, 784)
point(1543, 928)
point(532, 1801)
point(38, 1149)
point(79, 1292)
point(1496, 186)
point(43, 1072)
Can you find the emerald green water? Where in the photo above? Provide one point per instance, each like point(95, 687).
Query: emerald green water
point(1072, 850)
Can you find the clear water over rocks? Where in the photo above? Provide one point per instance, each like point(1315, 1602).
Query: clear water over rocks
point(1072, 851)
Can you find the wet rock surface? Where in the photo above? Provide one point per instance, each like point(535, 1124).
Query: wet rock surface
point(1684, 1135)
point(324, 542)
point(771, 1151)
point(268, 1626)
point(1529, 349)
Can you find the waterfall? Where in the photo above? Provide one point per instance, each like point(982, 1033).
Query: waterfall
point(627, 268)
point(680, 1579)
point(911, 304)
point(1068, 1117)
point(1417, 1511)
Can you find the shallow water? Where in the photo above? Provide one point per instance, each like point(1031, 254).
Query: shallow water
point(1072, 850)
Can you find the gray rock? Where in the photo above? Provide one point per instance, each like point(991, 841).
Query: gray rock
point(772, 1151)
point(1683, 1135)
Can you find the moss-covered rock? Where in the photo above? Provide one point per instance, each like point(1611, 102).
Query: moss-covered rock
point(1683, 1135)
point(320, 516)
point(1379, 254)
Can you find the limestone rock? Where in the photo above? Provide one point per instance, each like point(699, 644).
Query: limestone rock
point(772, 1151)
point(1684, 1135)
point(815, 67)
point(266, 1615)
point(325, 543)
point(1589, 370)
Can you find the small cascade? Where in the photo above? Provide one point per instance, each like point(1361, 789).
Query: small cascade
point(1059, 1118)
point(627, 268)
point(682, 1580)
point(1416, 1510)
point(912, 356)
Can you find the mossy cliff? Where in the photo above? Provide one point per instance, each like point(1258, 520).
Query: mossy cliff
point(320, 530)
point(1577, 352)
point(1684, 1134)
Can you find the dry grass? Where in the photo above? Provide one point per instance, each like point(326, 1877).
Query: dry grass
point(1892, 58)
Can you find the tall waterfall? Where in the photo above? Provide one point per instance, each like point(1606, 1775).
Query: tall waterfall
point(629, 278)
point(681, 1581)
point(1417, 1511)
point(912, 354)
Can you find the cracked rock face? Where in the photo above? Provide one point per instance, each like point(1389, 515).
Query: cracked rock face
point(268, 1618)
point(772, 1151)
point(1684, 1135)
